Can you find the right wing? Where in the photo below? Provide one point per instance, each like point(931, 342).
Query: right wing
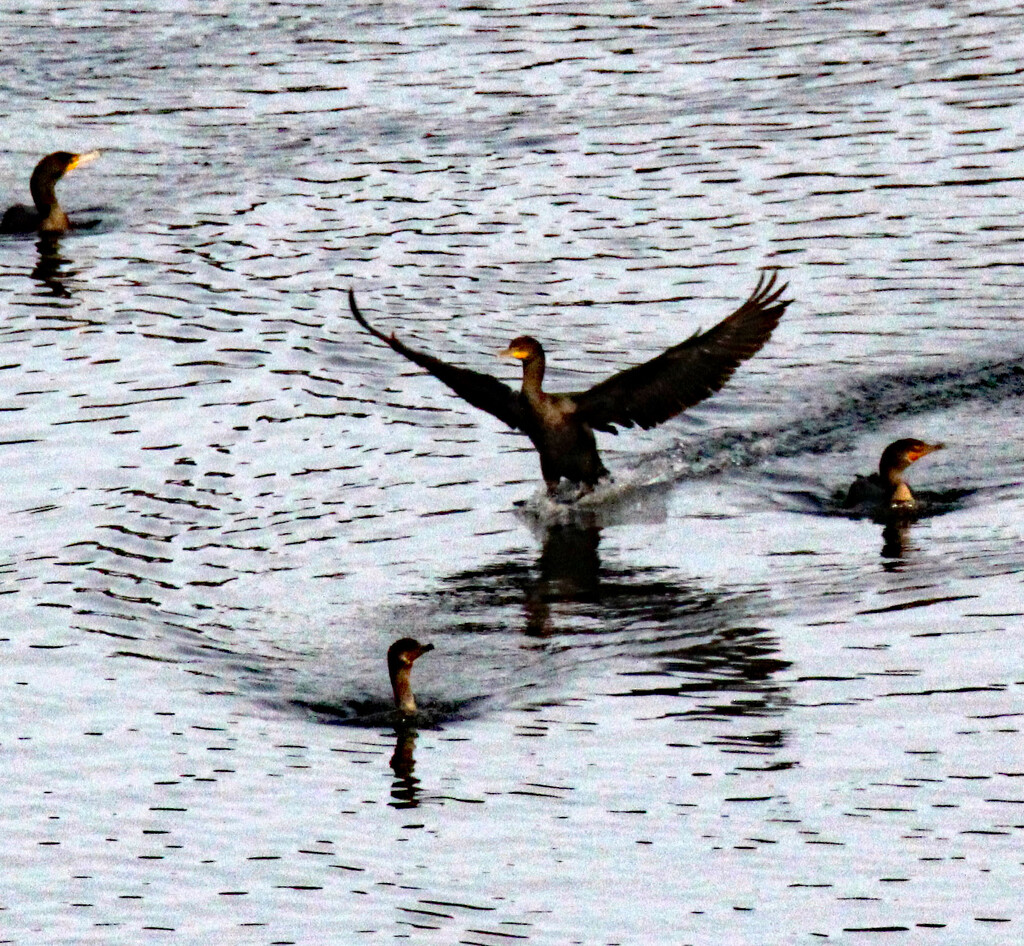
point(481, 390)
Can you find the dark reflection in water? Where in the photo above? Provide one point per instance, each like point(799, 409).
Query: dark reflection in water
point(511, 633)
point(51, 268)
point(582, 608)
point(568, 591)
point(567, 569)
point(896, 539)
point(405, 790)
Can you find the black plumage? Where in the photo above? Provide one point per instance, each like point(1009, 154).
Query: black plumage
point(47, 215)
point(561, 426)
point(886, 490)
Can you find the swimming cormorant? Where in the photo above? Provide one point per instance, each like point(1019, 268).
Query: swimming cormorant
point(886, 489)
point(401, 656)
point(47, 216)
point(562, 426)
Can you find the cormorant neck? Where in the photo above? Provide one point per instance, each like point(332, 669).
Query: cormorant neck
point(43, 194)
point(403, 690)
point(892, 475)
point(45, 198)
point(533, 374)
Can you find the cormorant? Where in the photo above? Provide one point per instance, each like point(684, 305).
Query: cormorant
point(401, 655)
point(562, 426)
point(886, 489)
point(47, 216)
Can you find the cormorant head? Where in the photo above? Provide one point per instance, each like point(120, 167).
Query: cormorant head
point(523, 349)
point(54, 166)
point(900, 454)
point(403, 652)
point(401, 655)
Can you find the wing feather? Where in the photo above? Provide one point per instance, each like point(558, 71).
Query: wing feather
point(478, 389)
point(649, 394)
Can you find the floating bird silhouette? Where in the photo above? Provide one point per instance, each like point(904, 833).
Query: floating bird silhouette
point(401, 656)
point(886, 489)
point(561, 426)
point(47, 216)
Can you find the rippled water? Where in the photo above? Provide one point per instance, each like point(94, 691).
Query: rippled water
point(708, 708)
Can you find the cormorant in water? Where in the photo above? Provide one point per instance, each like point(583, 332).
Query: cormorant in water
point(47, 216)
point(562, 426)
point(886, 489)
point(401, 655)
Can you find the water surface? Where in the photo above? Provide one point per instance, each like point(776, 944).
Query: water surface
point(709, 709)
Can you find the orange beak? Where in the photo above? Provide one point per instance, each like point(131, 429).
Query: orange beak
point(925, 449)
point(423, 650)
point(79, 159)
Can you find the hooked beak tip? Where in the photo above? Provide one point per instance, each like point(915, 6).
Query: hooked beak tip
point(85, 158)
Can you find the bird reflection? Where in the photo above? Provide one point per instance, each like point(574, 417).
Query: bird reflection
point(568, 585)
point(567, 570)
point(667, 636)
point(896, 539)
point(405, 790)
point(49, 270)
point(568, 582)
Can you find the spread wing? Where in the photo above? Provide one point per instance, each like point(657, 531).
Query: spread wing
point(481, 390)
point(649, 394)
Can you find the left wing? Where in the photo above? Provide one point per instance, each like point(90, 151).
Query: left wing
point(649, 394)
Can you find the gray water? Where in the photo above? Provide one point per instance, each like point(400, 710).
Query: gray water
point(708, 708)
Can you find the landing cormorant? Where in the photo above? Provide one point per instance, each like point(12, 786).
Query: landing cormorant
point(562, 426)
